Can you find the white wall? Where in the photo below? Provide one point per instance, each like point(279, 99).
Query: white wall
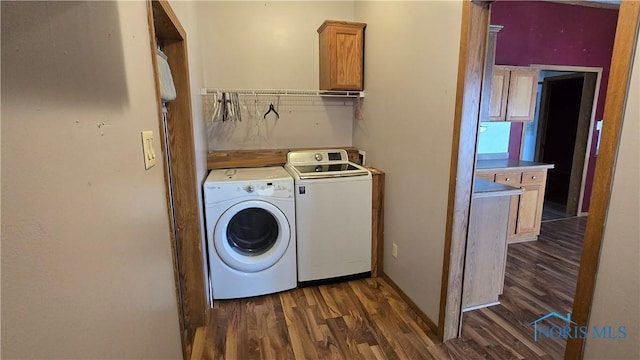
point(271, 45)
point(411, 63)
point(86, 258)
point(617, 293)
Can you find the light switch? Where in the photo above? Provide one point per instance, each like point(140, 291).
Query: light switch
point(147, 150)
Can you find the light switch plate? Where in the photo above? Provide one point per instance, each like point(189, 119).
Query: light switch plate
point(147, 150)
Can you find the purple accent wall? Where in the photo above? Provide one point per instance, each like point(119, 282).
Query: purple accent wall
point(540, 32)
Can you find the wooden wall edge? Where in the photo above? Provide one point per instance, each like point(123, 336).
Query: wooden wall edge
point(377, 222)
point(473, 38)
point(181, 182)
point(225, 159)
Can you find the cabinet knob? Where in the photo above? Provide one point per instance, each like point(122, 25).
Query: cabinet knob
point(533, 177)
point(508, 179)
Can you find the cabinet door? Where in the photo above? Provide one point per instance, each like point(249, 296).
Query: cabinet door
point(528, 211)
point(521, 101)
point(341, 55)
point(511, 179)
point(531, 202)
point(346, 58)
point(499, 91)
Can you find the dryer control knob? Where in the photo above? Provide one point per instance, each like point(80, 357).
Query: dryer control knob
point(249, 188)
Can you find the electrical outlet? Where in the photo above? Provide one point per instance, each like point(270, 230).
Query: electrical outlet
point(147, 150)
point(394, 250)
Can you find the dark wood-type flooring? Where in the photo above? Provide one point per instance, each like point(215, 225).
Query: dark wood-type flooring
point(367, 319)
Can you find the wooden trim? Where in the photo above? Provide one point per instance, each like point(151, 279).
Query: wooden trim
point(225, 159)
point(543, 67)
point(377, 222)
point(166, 22)
point(588, 3)
point(581, 148)
point(487, 77)
point(587, 155)
point(475, 25)
point(186, 190)
point(181, 185)
point(197, 350)
point(161, 135)
point(412, 305)
point(619, 77)
point(541, 132)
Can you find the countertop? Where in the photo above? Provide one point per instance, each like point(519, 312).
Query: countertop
point(511, 164)
point(484, 188)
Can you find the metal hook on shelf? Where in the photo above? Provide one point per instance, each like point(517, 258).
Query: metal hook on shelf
point(271, 108)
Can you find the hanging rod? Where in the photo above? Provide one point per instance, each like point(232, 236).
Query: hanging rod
point(286, 92)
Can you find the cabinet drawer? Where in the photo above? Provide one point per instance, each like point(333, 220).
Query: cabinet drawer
point(486, 176)
point(533, 177)
point(510, 178)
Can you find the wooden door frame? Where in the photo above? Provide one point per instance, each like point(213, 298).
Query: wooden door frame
point(463, 159)
point(594, 106)
point(181, 184)
point(473, 44)
point(624, 48)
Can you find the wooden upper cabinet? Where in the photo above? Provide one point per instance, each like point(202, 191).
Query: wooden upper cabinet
point(521, 103)
point(513, 93)
point(499, 92)
point(341, 55)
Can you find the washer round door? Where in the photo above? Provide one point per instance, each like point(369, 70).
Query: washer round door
point(251, 236)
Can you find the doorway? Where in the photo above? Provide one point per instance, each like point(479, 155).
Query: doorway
point(557, 140)
point(181, 184)
point(466, 123)
point(561, 134)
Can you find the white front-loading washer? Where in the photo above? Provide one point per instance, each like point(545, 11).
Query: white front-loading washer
point(251, 234)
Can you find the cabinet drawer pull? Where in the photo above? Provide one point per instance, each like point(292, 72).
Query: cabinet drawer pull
point(533, 177)
point(508, 179)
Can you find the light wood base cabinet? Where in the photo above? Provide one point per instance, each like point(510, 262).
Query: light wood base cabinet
point(486, 252)
point(525, 216)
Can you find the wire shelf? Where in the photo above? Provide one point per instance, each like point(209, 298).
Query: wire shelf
point(288, 92)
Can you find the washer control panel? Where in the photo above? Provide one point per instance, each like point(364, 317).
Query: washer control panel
point(317, 156)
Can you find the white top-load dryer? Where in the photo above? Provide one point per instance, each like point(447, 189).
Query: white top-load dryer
point(333, 216)
point(251, 233)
